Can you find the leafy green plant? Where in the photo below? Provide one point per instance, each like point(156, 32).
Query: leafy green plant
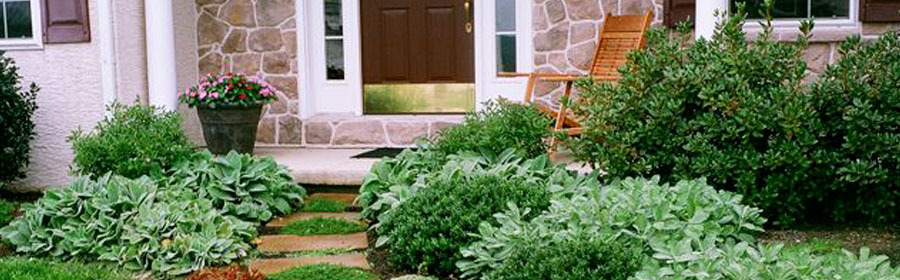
point(393, 174)
point(179, 236)
point(858, 100)
point(499, 126)
point(84, 219)
point(18, 268)
point(769, 262)
point(16, 108)
point(7, 209)
point(130, 221)
point(428, 230)
point(134, 141)
point(317, 226)
point(324, 205)
point(581, 257)
point(634, 212)
point(253, 189)
point(727, 109)
point(324, 272)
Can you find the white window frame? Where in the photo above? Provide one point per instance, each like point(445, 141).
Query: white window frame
point(851, 21)
point(36, 41)
point(487, 85)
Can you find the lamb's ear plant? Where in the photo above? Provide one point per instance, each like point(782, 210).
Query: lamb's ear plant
point(251, 188)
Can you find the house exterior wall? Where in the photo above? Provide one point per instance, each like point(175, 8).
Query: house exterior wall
point(70, 97)
point(256, 37)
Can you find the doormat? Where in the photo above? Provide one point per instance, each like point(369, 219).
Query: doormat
point(381, 152)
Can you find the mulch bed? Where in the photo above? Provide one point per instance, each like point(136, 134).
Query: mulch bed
point(378, 258)
point(881, 240)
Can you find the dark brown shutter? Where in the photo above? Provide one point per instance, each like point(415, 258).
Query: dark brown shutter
point(66, 21)
point(879, 10)
point(678, 10)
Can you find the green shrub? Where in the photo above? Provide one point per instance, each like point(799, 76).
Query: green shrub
point(633, 212)
point(581, 257)
point(316, 226)
point(499, 126)
point(726, 109)
point(427, 232)
point(324, 272)
point(858, 100)
point(130, 221)
point(37, 269)
point(7, 209)
point(133, 142)
point(16, 108)
point(251, 188)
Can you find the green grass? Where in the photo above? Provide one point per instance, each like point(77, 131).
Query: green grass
point(817, 246)
point(324, 272)
point(18, 268)
point(324, 205)
point(6, 211)
point(316, 226)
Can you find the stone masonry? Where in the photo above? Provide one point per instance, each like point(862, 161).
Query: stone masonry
point(257, 37)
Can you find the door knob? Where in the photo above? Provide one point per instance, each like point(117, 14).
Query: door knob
point(467, 6)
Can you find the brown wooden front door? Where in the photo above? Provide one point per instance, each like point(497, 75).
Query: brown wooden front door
point(417, 41)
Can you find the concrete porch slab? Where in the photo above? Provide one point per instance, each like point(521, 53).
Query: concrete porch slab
point(332, 167)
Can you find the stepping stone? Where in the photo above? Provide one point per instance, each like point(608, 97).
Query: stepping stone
point(347, 198)
point(283, 243)
point(272, 266)
point(302, 216)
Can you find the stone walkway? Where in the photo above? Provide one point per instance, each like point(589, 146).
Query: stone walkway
point(281, 252)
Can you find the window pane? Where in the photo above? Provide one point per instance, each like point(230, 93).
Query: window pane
point(3, 22)
point(334, 25)
point(334, 59)
point(828, 9)
point(506, 53)
point(785, 9)
point(18, 16)
point(506, 15)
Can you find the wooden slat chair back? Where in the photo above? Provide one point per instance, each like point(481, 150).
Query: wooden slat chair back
point(618, 36)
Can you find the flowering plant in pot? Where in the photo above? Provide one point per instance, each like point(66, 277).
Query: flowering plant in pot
point(229, 107)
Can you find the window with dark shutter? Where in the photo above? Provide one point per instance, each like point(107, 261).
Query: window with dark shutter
point(678, 11)
point(879, 10)
point(66, 21)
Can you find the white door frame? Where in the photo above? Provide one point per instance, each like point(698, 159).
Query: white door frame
point(318, 95)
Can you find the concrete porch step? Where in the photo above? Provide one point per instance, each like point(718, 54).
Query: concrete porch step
point(331, 167)
point(281, 243)
point(272, 266)
point(302, 216)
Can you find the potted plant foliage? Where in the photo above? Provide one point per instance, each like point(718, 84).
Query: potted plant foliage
point(229, 107)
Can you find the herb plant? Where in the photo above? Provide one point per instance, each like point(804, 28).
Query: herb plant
point(499, 126)
point(133, 142)
point(17, 105)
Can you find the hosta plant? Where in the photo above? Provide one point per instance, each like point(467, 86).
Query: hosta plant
point(640, 212)
point(251, 188)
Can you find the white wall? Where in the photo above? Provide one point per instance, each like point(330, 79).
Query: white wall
point(70, 97)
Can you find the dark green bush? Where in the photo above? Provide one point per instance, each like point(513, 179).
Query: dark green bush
point(727, 109)
point(16, 108)
point(430, 228)
point(576, 258)
point(858, 100)
point(499, 126)
point(134, 141)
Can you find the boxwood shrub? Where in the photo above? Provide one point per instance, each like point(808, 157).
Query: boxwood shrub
point(858, 101)
point(17, 105)
point(728, 109)
point(500, 125)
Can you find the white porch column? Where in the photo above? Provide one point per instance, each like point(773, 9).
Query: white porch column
point(161, 54)
point(706, 18)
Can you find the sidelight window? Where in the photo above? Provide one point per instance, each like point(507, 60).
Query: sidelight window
point(506, 35)
point(334, 40)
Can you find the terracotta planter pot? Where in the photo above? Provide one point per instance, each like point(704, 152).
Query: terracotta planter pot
point(227, 128)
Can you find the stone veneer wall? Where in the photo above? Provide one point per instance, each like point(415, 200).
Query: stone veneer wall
point(565, 35)
point(257, 37)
